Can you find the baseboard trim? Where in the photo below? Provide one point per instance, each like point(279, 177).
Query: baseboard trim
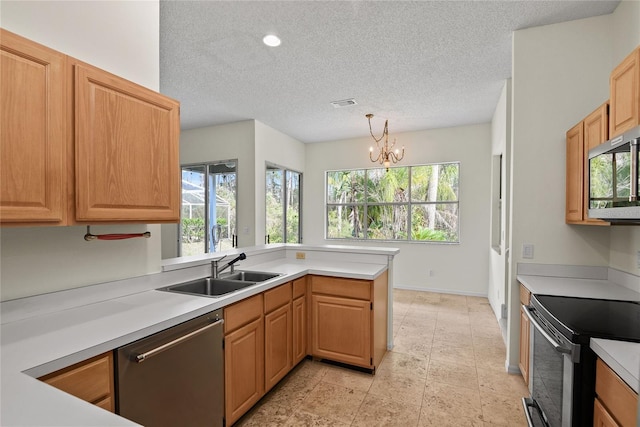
point(440, 291)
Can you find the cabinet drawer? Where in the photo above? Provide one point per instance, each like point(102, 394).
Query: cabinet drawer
point(616, 396)
point(90, 380)
point(299, 287)
point(525, 295)
point(242, 312)
point(349, 288)
point(277, 297)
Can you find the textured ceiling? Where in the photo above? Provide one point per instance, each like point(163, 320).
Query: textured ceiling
point(421, 65)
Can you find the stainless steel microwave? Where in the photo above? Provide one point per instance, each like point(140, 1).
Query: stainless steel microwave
point(614, 180)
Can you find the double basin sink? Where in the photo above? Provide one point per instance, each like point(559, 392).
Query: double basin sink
point(216, 287)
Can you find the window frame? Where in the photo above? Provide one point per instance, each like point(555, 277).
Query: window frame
point(285, 170)
point(365, 203)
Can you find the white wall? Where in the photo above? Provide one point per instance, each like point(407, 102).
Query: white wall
point(457, 268)
point(226, 142)
point(253, 143)
point(560, 74)
point(277, 148)
point(500, 145)
point(625, 241)
point(120, 37)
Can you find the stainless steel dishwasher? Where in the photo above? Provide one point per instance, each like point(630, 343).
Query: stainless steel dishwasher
point(174, 377)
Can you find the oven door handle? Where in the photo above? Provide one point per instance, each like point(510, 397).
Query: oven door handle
point(528, 402)
point(556, 345)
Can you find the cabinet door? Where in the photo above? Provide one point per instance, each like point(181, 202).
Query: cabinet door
point(525, 332)
point(575, 164)
point(34, 115)
point(127, 158)
point(278, 347)
point(243, 369)
point(602, 418)
point(299, 329)
point(624, 87)
point(91, 380)
point(596, 131)
point(331, 339)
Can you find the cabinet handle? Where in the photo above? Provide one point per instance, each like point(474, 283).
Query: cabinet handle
point(146, 355)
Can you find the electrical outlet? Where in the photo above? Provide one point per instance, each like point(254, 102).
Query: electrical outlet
point(527, 251)
point(300, 255)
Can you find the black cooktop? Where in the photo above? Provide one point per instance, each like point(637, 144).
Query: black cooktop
point(582, 318)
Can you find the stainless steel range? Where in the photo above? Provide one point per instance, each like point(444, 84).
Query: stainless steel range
point(562, 378)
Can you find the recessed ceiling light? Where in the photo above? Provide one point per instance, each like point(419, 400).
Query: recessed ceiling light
point(271, 40)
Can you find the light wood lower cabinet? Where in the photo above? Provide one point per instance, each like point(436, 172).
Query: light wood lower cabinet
point(243, 356)
point(616, 403)
point(331, 339)
point(601, 417)
point(525, 335)
point(278, 331)
point(348, 320)
point(299, 329)
point(90, 380)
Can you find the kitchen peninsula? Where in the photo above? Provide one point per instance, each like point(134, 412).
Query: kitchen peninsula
point(45, 333)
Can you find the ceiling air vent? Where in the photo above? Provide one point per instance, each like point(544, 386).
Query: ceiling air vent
point(343, 103)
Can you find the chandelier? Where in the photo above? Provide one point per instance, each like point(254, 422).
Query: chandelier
point(385, 154)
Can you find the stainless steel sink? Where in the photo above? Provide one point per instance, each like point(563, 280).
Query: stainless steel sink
point(217, 287)
point(209, 287)
point(250, 276)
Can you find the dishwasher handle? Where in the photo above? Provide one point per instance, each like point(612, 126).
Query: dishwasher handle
point(148, 354)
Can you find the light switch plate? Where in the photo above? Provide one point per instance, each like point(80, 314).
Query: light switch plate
point(527, 251)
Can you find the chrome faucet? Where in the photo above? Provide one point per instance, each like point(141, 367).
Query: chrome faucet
point(216, 270)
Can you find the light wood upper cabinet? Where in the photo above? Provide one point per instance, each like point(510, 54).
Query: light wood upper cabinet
point(127, 142)
point(596, 131)
point(33, 132)
point(624, 87)
point(81, 145)
point(91, 380)
point(589, 133)
point(574, 173)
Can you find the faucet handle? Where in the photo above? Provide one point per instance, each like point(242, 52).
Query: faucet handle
point(219, 259)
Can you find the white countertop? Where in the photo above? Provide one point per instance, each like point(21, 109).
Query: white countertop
point(577, 287)
point(42, 334)
point(623, 357)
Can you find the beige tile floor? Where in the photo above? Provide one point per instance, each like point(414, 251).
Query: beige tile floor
point(446, 369)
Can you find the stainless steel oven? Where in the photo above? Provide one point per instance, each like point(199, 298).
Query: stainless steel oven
point(562, 365)
point(554, 361)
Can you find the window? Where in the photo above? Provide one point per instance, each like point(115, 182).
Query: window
point(283, 205)
point(412, 203)
point(208, 215)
